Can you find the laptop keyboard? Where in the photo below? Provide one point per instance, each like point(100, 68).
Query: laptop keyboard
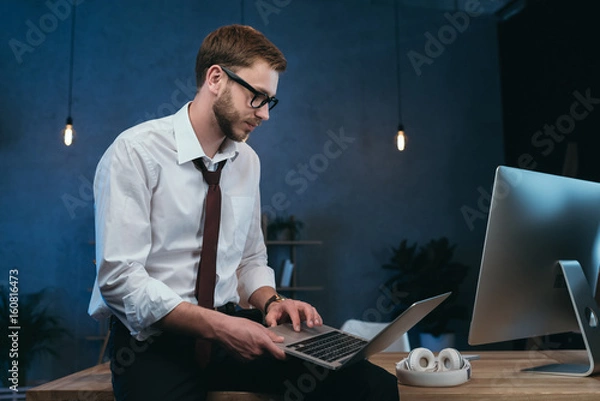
point(330, 346)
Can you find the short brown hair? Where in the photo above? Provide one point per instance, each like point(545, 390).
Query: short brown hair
point(236, 46)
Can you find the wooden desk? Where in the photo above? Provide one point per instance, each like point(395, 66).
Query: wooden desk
point(94, 384)
point(496, 376)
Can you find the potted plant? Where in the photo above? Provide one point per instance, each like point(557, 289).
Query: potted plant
point(38, 331)
point(423, 272)
point(284, 229)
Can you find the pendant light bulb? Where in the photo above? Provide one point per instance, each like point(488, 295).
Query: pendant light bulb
point(401, 138)
point(68, 133)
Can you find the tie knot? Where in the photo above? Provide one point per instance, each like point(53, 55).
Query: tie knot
point(211, 177)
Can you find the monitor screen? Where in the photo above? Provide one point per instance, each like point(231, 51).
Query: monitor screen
point(535, 220)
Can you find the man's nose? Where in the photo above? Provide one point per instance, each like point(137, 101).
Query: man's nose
point(263, 112)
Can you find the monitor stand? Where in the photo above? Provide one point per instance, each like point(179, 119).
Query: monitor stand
point(587, 313)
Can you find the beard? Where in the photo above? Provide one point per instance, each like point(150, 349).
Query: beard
point(227, 116)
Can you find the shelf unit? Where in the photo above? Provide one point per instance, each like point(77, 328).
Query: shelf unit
point(291, 290)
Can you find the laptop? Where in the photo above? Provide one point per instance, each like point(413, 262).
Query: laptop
point(335, 349)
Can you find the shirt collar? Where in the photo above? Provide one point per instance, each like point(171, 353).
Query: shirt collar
point(187, 144)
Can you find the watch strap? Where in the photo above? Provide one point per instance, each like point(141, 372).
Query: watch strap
point(274, 298)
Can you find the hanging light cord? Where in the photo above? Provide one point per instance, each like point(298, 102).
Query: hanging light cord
point(242, 12)
point(73, 8)
point(397, 33)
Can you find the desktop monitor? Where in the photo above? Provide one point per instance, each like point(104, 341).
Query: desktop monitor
point(535, 221)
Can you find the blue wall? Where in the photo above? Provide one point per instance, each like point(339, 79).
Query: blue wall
point(135, 61)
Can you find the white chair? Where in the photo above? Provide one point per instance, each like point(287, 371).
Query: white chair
point(368, 330)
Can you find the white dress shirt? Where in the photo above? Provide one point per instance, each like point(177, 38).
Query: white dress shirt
point(149, 209)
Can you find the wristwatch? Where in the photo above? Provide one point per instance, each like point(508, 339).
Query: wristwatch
point(274, 298)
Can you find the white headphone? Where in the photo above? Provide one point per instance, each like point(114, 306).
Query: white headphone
point(423, 368)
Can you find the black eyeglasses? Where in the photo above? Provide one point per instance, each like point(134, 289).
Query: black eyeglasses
point(259, 99)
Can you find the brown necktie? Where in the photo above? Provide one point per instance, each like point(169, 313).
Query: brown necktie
point(207, 269)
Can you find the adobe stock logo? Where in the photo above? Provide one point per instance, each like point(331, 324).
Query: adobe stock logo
point(266, 8)
point(470, 214)
point(85, 199)
point(447, 34)
point(544, 140)
point(36, 34)
point(304, 174)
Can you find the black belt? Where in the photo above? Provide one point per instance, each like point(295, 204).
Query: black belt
point(229, 308)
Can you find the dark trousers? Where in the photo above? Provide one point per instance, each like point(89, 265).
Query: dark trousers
point(163, 368)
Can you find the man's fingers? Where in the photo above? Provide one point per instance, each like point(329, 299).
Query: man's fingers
point(275, 337)
point(318, 320)
point(276, 352)
point(311, 316)
point(272, 348)
point(271, 320)
point(292, 312)
point(296, 312)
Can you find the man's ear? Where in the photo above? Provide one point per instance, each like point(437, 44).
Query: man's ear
point(215, 79)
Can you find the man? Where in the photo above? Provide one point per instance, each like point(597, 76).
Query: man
point(168, 340)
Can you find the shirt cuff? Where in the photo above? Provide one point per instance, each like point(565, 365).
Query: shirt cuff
point(147, 305)
point(251, 280)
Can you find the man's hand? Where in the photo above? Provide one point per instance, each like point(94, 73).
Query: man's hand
point(242, 336)
point(294, 311)
point(247, 338)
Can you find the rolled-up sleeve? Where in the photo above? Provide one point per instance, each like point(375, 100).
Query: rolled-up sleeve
point(123, 187)
point(254, 271)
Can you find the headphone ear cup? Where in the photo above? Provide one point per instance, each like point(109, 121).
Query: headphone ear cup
point(449, 359)
point(421, 360)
